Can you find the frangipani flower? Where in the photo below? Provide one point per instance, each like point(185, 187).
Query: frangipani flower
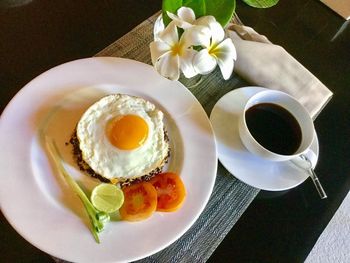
point(185, 17)
point(170, 54)
point(217, 50)
point(158, 28)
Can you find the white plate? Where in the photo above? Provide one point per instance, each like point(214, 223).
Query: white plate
point(42, 208)
point(259, 173)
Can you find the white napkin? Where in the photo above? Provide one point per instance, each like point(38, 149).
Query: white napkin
point(264, 64)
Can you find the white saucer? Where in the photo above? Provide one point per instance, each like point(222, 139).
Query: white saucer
point(252, 170)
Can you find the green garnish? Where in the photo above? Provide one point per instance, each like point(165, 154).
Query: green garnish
point(107, 198)
point(97, 218)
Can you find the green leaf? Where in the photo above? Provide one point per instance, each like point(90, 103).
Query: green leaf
point(222, 10)
point(261, 3)
point(198, 6)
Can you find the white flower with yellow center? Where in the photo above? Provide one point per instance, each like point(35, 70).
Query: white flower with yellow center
point(217, 50)
point(170, 54)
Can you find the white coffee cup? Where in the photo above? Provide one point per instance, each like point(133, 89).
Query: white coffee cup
point(292, 106)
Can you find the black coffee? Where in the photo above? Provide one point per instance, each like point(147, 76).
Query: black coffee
point(274, 127)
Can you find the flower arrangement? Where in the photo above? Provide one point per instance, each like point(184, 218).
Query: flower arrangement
point(193, 40)
point(193, 46)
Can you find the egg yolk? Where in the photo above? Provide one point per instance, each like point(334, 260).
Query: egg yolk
point(128, 132)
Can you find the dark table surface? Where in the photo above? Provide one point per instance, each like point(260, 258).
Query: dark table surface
point(36, 35)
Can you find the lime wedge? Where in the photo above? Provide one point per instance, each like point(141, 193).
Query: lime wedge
point(107, 198)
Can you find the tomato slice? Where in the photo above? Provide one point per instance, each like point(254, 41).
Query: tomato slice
point(140, 201)
point(170, 190)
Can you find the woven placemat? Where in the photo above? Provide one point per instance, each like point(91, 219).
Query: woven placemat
point(230, 197)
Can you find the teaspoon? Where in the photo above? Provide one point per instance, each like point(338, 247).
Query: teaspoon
point(304, 162)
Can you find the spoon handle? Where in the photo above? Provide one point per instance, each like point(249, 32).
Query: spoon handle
point(317, 184)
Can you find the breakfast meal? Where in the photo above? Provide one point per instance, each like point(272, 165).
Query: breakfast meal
point(121, 138)
point(122, 141)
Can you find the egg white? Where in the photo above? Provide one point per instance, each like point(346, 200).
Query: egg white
point(106, 159)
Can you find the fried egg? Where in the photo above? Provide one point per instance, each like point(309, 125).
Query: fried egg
point(122, 137)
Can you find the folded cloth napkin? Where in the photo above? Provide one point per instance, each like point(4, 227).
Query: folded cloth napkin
point(268, 65)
